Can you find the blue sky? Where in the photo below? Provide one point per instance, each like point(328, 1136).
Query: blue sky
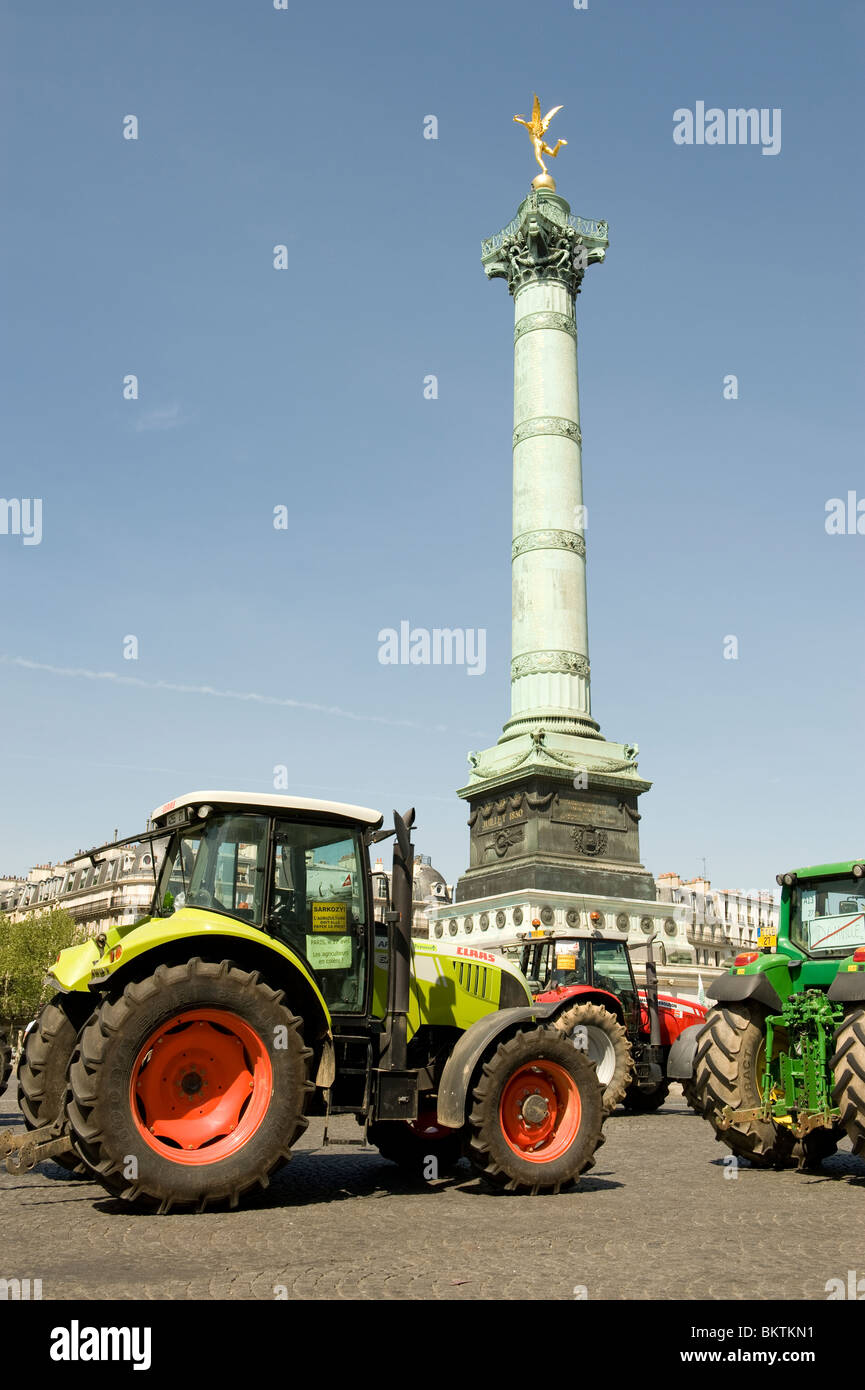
point(304, 388)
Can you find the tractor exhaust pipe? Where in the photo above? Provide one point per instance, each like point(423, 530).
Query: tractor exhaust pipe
point(652, 994)
point(399, 928)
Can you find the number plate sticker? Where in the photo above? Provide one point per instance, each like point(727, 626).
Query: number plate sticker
point(767, 939)
point(329, 917)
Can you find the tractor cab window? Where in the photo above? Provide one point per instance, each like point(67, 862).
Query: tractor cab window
point(317, 907)
point(218, 865)
point(827, 918)
point(612, 971)
point(570, 964)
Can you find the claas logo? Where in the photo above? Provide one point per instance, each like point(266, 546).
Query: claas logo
point(475, 955)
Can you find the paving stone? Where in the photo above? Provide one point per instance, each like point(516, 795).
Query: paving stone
point(656, 1219)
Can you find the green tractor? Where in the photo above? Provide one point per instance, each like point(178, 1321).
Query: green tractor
point(778, 1068)
point(182, 1057)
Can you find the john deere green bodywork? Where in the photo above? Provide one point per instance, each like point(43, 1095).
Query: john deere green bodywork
point(796, 1083)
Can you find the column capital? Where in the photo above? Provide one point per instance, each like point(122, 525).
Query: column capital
point(544, 242)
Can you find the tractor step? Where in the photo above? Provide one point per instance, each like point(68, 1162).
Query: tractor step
point(23, 1151)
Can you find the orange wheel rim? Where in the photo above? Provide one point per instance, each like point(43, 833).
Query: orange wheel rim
point(540, 1111)
point(201, 1086)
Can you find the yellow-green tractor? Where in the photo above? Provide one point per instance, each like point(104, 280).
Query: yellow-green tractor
point(182, 1057)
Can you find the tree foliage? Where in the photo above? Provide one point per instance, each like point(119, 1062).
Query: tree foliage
point(27, 949)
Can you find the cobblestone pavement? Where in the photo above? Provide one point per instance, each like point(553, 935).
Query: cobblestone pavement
point(655, 1219)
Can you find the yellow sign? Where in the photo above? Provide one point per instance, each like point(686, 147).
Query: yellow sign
point(767, 939)
point(329, 916)
point(566, 962)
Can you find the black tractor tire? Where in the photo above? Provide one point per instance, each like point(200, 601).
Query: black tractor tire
point(412, 1145)
point(255, 1039)
point(526, 1070)
point(810, 1151)
point(5, 1060)
point(727, 1071)
point(44, 1063)
point(690, 1094)
point(606, 1045)
point(848, 1068)
point(645, 1102)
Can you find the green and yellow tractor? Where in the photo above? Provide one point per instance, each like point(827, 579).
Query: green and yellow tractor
point(181, 1057)
point(778, 1068)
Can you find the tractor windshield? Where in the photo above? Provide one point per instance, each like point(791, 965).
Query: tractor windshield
point(218, 864)
point(570, 964)
point(827, 916)
point(612, 971)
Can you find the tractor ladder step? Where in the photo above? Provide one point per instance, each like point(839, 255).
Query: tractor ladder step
point(346, 1041)
point(23, 1151)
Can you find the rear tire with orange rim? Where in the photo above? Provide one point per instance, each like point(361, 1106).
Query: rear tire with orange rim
point(537, 1114)
point(190, 1088)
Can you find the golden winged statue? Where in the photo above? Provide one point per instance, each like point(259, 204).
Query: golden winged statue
point(537, 128)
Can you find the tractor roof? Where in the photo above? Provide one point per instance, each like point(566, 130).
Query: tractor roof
point(340, 810)
point(844, 866)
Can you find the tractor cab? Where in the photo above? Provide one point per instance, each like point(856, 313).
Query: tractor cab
point(554, 964)
point(294, 869)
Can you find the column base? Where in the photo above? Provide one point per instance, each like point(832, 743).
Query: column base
point(556, 812)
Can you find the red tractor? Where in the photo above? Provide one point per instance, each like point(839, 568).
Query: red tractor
point(627, 1032)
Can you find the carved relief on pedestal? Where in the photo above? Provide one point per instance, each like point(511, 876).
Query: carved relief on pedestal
point(505, 839)
point(589, 841)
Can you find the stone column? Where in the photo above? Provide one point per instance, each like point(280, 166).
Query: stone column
point(550, 677)
point(553, 805)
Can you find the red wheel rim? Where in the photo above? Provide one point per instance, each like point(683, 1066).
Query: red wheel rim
point(201, 1086)
point(540, 1111)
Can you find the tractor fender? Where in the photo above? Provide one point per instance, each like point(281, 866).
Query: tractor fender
point(567, 996)
point(848, 986)
point(680, 1063)
point(729, 989)
point(470, 1048)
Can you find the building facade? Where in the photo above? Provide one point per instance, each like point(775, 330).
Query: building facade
point(721, 922)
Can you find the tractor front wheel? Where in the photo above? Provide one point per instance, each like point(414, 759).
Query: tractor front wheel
point(537, 1114)
point(190, 1088)
point(43, 1065)
point(598, 1033)
point(848, 1067)
point(727, 1072)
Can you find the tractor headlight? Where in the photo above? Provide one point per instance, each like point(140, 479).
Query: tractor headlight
point(859, 870)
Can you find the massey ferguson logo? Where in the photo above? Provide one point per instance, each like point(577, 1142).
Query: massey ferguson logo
point(475, 955)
